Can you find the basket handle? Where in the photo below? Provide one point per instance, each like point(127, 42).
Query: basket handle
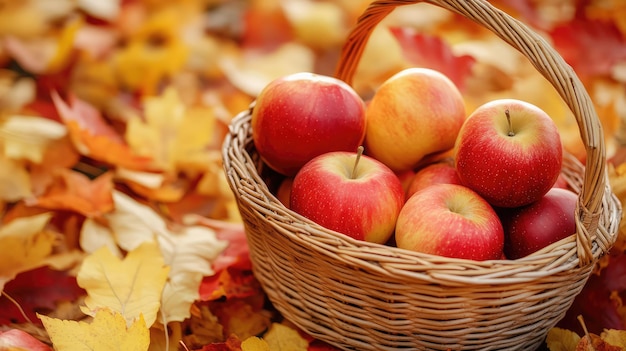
point(547, 61)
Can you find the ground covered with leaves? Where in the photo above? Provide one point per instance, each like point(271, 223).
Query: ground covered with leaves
point(114, 211)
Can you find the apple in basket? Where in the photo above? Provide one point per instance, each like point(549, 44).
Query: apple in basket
point(303, 115)
point(530, 228)
point(434, 173)
point(509, 151)
point(349, 193)
point(415, 113)
point(450, 220)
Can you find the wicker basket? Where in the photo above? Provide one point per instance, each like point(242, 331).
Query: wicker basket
point(362, 296)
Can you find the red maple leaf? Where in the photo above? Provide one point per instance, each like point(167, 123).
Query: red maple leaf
point(433, 52)
point(600, 300)
point(37, 290)
point(591, 47)
point(15, 339)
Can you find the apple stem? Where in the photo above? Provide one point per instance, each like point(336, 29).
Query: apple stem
point(359, 152)
point(508, 119)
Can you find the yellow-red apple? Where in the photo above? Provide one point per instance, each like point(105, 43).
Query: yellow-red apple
point(414, 113)
point(530, 228)
point(509, 151)
point(434, 173)
point(361, 201)
point(303, 115)
point(450, 220)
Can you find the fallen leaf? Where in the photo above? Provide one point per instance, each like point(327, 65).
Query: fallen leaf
point(573, 40)
point(614, 337)
point(131, 287)
point(94, 137)
point(188, 251)
point(74, 191)
point(283, 338)
point(27, 137)
point(15, 181)
point(36, 290)
point(433, 52)
point(16, 340)
point(173, 135)
point(108, 331)
point(254, 343)
point(559, 339)
point(242, 317)
point(24, 245)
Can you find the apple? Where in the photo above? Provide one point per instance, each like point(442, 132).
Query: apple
point(415, 113)
point(530, 228)
point(450, 220)
point(283, 193)
point(509, 151)
point(349, 193)
point(434, 173)
point(303, 115)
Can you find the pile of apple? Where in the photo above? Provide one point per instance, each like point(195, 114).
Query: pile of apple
point(410, 168)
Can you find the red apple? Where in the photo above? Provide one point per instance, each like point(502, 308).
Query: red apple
point(530, 228)
point(509, 151)
point(450, 220)
point(434, 173)
point(413, 114)
point(362, 202)
point(283, 193)
point(303, 115)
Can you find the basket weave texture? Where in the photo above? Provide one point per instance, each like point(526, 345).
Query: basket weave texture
point(363, 296)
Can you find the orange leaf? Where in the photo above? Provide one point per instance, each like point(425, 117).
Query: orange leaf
point(71, 190)
point(93, 137)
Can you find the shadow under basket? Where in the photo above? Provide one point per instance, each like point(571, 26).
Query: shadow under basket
point(363, 296)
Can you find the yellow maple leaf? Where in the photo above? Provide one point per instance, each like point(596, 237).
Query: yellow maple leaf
point(254, 343)
point(189, 252)
point(131, 286)
point(174, 135)
point(614, 337)
point(24, 245)
point(108, 331)
point(283, 338)
point(559, 339)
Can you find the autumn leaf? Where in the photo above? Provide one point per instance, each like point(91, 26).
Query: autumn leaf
point(173, 135)
point(18, 340)
point(27, 137)
point(433, 52)
point(254, 343)
point(24, 245)
point(37, 290)
point(573, 39)
point(614, 337)
point(108, 331)
point(94, 137)
point(188, 252)
point(559, 339)
point(74, 191)
point(283, 338)
point(131, 287)
point(15, 181)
